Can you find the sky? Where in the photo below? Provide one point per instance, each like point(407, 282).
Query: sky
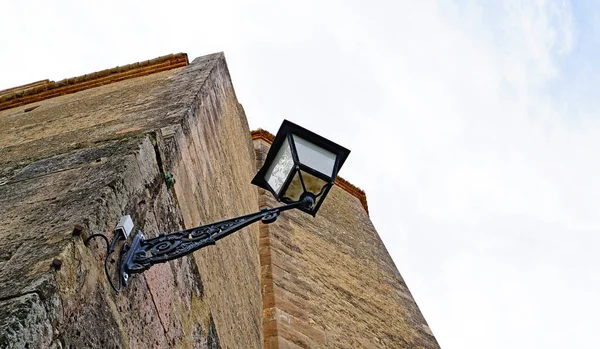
point(474, 128)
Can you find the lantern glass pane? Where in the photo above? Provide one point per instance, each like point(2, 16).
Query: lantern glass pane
point(312, 183)
point(280, 167)
point(295, 190)
point(314, 156)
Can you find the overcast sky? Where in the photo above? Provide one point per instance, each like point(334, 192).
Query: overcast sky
point(474, 128)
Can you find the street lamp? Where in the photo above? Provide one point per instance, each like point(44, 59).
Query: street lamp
point(299, 170)
point(300, 164)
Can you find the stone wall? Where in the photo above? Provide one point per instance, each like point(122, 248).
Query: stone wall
point(328, 281)
point(85, 151)
point(86, 158)
point(211, 157)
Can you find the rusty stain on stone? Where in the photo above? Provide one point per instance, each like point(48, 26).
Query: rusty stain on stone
point(56, 264)
point(77, 229)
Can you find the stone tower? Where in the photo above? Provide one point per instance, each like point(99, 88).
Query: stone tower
point(79, 153)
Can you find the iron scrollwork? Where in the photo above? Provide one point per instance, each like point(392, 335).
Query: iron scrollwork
point(144, 253)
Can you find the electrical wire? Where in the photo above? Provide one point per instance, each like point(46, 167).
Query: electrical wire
point(110, 249)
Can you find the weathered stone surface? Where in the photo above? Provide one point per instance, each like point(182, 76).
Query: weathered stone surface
point(328, 282)
point(26, 323)
point(173, 150)
point(89, 157)
point(209, 156)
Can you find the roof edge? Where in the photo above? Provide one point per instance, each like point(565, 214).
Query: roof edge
point(23, 87)
point(45, 89)
point(353, 190)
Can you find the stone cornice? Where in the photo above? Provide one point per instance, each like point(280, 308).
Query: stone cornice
point(45, 89)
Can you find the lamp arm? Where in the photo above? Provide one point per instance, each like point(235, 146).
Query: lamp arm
point(144, 253)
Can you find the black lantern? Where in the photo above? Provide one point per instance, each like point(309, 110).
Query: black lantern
point(300, 163)
point(299, 170)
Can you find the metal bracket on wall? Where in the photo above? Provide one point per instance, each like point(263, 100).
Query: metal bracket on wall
point(139, 255)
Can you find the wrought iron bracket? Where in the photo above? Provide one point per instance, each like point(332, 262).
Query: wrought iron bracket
point(143, 253)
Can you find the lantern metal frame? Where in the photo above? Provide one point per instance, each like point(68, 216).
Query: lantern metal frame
point(286, 134)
